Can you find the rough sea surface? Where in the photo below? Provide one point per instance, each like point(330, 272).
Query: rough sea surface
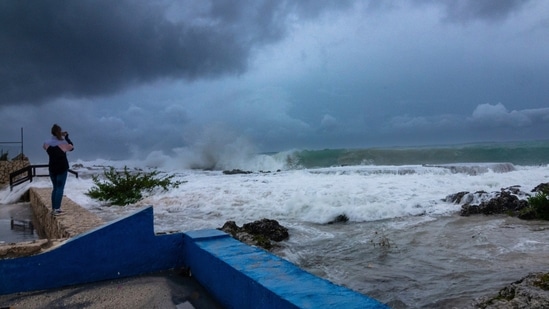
point(403, 244)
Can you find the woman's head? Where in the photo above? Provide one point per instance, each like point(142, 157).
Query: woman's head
point(56, 131)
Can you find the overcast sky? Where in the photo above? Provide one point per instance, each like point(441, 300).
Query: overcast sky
point(131, 78)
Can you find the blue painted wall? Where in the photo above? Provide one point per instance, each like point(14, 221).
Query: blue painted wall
point(123, 248)
point(237, 275)
point(240, 276)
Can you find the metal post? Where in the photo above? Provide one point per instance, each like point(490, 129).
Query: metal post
point(22, 153)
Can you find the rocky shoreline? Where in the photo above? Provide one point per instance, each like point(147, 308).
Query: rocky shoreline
point(512, 201)
point(531, 291)
point(260, 233)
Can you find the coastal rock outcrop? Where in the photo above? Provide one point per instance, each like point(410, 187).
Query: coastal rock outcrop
point(530, 292)
point(236, 172)
point(542, 187)
point(259, 233)
point(339, 219)
point(503, 202)
point(511, 200)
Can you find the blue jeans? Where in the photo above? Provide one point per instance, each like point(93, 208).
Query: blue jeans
point(58, 181)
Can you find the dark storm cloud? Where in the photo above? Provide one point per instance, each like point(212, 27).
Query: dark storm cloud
point(85, 48)
point(468, 10)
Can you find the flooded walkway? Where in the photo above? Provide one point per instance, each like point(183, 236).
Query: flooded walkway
point(16, 223)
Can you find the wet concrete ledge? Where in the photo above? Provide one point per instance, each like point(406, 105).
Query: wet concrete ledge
point(75, 221)
point(236, 275)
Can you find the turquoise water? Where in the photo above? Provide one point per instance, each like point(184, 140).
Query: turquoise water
point(518, 153)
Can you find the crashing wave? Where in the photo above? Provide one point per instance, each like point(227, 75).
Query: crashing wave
point(476, 168)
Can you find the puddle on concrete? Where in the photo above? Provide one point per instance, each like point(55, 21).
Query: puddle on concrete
point(16, 223)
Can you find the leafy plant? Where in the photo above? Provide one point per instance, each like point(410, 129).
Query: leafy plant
point(539, 205)
point(542, 281)
point(123, 188)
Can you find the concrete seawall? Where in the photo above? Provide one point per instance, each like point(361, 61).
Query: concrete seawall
point(241, 276)
point(122, 248)
point(235, 274)
point(75, 221)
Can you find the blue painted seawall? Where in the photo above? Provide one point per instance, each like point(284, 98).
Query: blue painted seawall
point(123, 248)
point(241, 276)
point(236, 275)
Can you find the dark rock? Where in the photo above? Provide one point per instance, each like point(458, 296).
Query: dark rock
point(456, 198)
point(236, 171)
point(230, 227)
point(514, 189)
point(258, 233)
point(468, 209)
point(542, 187)
point(530, 292)
point(340, 219)
point(503, 202)
point(268, 228)
point(509, 200)
point(500, 204)
point(465, 197)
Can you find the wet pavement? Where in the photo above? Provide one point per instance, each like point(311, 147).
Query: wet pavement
point(161, 290)
point(16, 223)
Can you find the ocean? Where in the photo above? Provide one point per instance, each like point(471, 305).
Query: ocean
point(403, 244)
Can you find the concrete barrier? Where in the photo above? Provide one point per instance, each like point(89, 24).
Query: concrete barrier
point(235, 274)
point(122, 248)
point(241, 276)
point(75, 221)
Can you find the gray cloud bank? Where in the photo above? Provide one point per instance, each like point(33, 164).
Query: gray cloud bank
point(488, 10)
point(84, 48)
point(95, 47)
point(203, 78)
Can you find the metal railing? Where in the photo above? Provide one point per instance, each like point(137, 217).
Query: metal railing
point(18, 177)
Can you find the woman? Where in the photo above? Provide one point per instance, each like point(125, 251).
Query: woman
point(57, 148)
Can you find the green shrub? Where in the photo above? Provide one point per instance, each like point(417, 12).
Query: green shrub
point(542, 281)
point(539, 205)
point(123, 188)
